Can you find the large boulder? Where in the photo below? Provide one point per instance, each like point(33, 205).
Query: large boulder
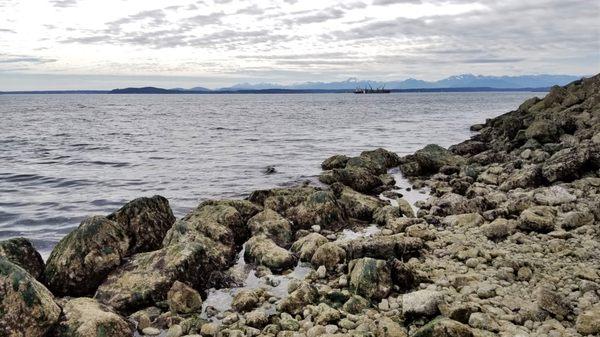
point(320, 208)
point(21, 252)
point(566, 164)
point(543, 130)
point(273, 225)
point(329, 255)
point(262, 250)
point(146, 221)
point(86, 317)
point(358, 178)
point(335, 161)
point(218, 221)
point(307, 245)
point(83, 258)
point(370, 278)
point(147, 277)
point(429, 160)
point(357, 205)
point(383, 247)
point(281, 199)
point(27, 308)
point(183, 299)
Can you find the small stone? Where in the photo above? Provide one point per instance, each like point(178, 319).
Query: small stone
point(486, 290)
point(150, 331)
point(321, 272)
point(421, 303)
point(316, 228)
point(175, 331)
point(588, 322)
point(209, 329)
point(183, 299)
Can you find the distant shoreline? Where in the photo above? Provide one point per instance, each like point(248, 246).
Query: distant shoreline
point(159, 91)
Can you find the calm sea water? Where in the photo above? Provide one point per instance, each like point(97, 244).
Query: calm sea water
point(63, 157)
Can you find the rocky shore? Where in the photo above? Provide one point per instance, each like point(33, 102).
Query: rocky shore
point(506, 243)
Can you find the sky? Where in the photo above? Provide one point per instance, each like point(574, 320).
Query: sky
point(92, 44)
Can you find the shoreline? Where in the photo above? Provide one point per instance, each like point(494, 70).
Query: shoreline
point(504, 244)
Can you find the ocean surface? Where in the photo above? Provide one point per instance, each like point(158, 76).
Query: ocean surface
point(64, 157)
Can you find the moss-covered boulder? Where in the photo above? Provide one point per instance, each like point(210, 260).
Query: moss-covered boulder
point(21, 252)
point(370, 278)
point(329, 255)
point(218, 221)
point(146, 221)
point(147, 277)
point(429, 160)
point(83, 258)
point(307, 245)
point(183, 299)
point(273, 225)
point(383, 247)
point(357, 205)
point(86, 317)
point(281, 199)
point(298, 299)
point(335, 161)
point(320, 208)
point(27, 308)
point(262, 250)
point(358, 178)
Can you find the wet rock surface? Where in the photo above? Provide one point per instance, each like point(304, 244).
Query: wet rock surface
point(21, 252)
point(505, 244)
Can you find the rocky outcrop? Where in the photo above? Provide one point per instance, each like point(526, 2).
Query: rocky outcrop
point(21, 252)
point(429, 160)
point(27, 308)
point(83, 258)
point(146, 221)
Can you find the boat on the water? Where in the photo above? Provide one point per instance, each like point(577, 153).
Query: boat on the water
point(370, 90)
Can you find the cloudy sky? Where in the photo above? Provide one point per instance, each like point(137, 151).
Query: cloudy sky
point(93, 44)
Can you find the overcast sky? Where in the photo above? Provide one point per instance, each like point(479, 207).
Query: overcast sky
point(93, 44)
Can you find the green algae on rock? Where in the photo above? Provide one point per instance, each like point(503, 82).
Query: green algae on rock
point(83, 258)
point(27, 308)
point(21, 252)
point(86, 317)
point(146, 221)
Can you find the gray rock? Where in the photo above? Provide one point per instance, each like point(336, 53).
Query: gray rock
point(421, 303)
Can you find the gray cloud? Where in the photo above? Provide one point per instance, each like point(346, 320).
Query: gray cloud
point(3, 30)
point(25, 59)
point(316, 17)
point(393, 2)
point(64, 3)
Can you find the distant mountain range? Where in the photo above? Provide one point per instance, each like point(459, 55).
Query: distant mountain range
point(458, 81)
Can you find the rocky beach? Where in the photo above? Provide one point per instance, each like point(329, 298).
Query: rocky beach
point(496, 236)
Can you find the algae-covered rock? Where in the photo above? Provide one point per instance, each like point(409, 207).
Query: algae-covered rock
point(83, 258)
point(147, 277)
point(386, 327)
point(146, 221)
point(27, 308)
point(306, 246)
point(329, 255)
point(86, 317)
point(383, 247)
point(429, 160)
point(219, 222)
point(262, 250)
point(357, 205)
point(539, 219)
point(335, 161)
point(273, 225)
point(356, 177)
point(281, 199)
point(298, 299)
point(21, 252)
point(183, 299)
point(320, 208)
point(370, 278)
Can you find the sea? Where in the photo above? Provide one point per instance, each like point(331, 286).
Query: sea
point(65, 157)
